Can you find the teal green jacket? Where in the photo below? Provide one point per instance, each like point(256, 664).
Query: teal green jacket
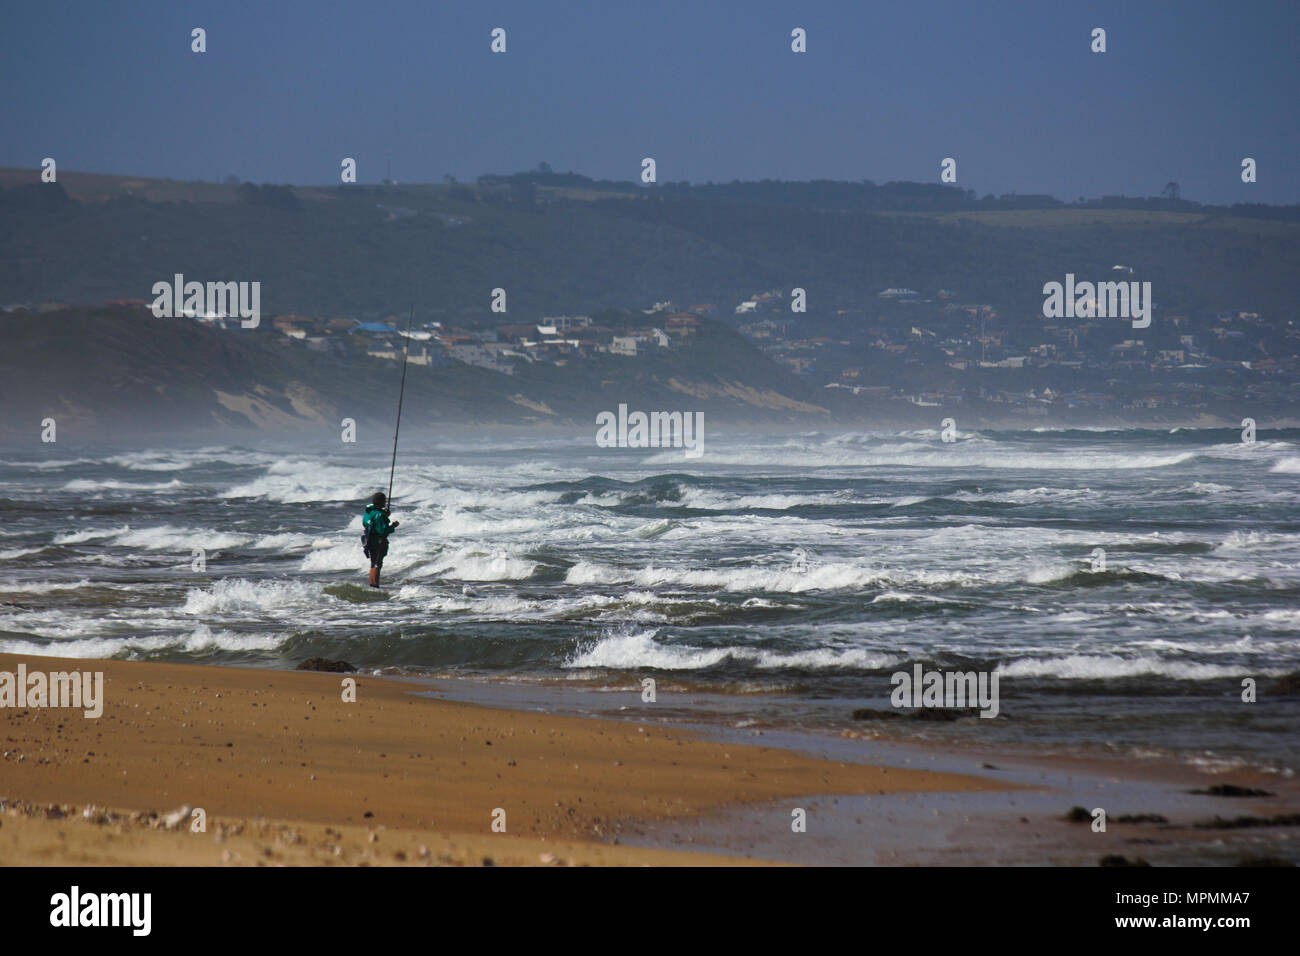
point(376, 521)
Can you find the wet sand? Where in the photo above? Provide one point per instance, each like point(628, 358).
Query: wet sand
point(1019, 820)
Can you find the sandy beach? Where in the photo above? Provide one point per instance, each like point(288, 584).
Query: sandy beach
point(287, 772)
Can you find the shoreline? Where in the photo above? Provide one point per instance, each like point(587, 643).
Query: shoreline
point(412, 772)
point(1020, 821)
point(286, 772)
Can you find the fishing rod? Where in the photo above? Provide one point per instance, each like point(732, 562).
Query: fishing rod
point(400, 395)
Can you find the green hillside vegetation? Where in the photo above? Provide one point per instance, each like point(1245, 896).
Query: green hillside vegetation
point(343, 251)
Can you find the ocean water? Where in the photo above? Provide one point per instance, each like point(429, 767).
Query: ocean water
point(789, 575)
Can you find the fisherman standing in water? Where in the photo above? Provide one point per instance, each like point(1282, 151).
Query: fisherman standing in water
point(374, 539)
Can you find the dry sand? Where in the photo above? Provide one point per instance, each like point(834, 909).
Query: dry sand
point(288, 773)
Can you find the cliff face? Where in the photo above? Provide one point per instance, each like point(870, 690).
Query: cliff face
point(120, 370)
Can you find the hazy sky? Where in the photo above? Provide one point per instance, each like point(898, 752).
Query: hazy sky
point(711, 90)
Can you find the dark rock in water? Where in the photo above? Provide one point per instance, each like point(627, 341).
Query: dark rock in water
point(944, 713)
point(1263, 861)
point(1229, 790)
point(870, 713)
point(356, 594)
point(916, 713)
point(1141, 818)
point(1246, 823)
point(1078, 815)
point(1115, 859)
point(1288, 684)
point(321, 664)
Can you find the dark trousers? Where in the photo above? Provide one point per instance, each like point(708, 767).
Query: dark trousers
point(376, 546)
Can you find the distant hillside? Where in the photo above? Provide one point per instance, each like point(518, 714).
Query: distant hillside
point(545, 184)
point(559, 244)
point(364, 250)
point(120, 371)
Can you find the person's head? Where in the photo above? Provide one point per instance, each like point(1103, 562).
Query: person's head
point(379, 500)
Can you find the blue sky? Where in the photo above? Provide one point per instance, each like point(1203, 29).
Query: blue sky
point(711, 90)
